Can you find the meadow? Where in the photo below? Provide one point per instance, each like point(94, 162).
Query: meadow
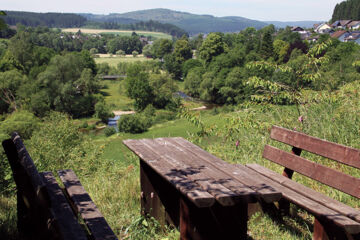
point(155, 35)
point(114, 60)
point(115, 186)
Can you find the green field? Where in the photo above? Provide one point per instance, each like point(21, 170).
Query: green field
point(118, 32)
point(115, 60)
point(114, 93)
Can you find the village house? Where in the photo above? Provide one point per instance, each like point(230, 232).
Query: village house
point(354, 25)
point(322, 28)
point(303, 33)
point(341, 35)
point(353, 37)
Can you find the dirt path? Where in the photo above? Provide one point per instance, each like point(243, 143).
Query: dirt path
point(119, 113)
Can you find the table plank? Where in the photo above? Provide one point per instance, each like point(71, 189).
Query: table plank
point(226, 191)
point(192, 190)
point(266, 192)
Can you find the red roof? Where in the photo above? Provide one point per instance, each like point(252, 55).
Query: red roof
point(338, 34)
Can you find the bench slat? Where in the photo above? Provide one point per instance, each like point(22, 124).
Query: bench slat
point(266, 192)
point(341, 153)
point(341, 181)
point(64, 216)
point(226, 191)
point(192, 190)
point(94, 220)
point(308, 204)
point(309, 193)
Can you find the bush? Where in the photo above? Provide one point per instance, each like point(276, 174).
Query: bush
point(103, 111)
point(109, 131)
point(163, 116)
point(135, 123)
point(23, 122)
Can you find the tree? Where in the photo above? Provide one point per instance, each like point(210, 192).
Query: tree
point(182, 51)
point(138, 87)
point(281, 49)
point(193, 81)
point(135, 53)
point(172, 66)
point(161, 47)
point(211, 47)
point(9, 84)
point(103, 111)
point(163, 88)
point(267, 48)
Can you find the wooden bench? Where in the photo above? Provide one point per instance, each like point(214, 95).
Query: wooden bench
point(44, 209)
point(185, 186)
point(333, 219)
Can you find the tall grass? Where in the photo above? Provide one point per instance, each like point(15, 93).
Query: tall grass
point(114, 184)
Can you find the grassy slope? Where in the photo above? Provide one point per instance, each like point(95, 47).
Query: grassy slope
point(115, 188)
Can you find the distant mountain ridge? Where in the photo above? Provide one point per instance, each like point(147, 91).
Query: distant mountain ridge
point(192, 23)
point(303, 24)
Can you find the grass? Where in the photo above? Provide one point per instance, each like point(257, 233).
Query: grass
point(118, 32)
point(115, 60)
point(114, 93)
point(115, 187)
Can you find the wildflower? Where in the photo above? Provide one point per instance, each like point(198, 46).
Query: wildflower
point(237, 144)
point(301, 119)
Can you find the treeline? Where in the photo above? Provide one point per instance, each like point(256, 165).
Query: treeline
point(60, 20)
point(152, 26)
point(61, 41)
point(69, 20)
point(257, 65)
point(347, 10)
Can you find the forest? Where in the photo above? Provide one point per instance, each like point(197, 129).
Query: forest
point(53, 94)
point(349, 9)
point(69, 20)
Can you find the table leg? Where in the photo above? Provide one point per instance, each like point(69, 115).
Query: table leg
point(216, 222)
point(159, 198)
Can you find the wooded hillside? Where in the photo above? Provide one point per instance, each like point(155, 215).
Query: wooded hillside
point(349, 9)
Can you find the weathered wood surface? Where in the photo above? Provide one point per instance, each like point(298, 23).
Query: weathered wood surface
point(226, 191)
point(321, 211)
point(308, 192)
point(192, 190)
point(227, 184)
point(338, 180)
point(228, 171)
point(92, 217)
point(64, 220)
point(341, 153)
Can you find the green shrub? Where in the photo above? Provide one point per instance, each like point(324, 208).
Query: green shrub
point(109, 131)
point(22, 121)
point(163, 116)
point(84, 125)
point(136, 123)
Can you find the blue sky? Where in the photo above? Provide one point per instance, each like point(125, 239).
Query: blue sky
point(282, 10)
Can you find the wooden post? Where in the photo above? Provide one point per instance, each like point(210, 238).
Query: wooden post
point(216, 222)
point(284, 205)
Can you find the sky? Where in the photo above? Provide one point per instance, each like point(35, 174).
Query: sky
point(279, 10)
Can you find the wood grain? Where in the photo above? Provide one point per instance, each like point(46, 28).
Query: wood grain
point(338, 180)
point(341, 153)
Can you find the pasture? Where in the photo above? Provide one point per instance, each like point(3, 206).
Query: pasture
point(114, 60)
point(118, 32)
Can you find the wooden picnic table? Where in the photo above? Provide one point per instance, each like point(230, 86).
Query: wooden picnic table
point(183, 185)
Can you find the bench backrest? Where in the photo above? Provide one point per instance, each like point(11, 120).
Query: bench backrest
point(326, 175)
point(27, 178)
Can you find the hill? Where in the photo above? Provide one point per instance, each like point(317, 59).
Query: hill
point(192, 23)
point(303, 24)
point(33, 19)
point(349, 9)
